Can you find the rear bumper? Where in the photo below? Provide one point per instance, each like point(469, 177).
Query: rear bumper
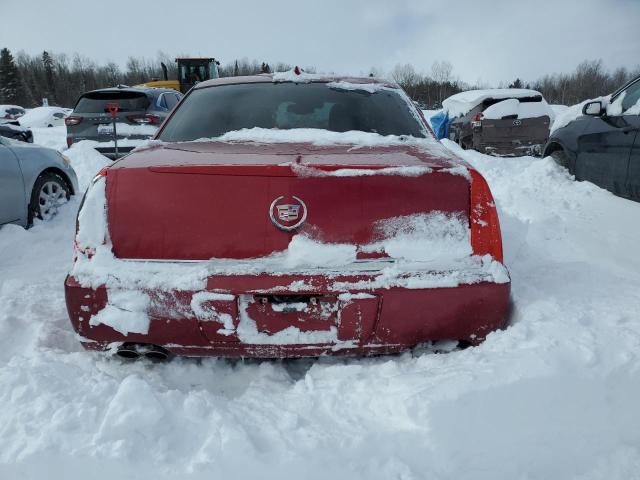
point(513, 148)
point(230, 318)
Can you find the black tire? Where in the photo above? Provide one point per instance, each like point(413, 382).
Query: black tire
point(464, 143)
point(49, 192)
point(560, 158)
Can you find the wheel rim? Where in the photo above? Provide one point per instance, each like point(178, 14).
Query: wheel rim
point(51, 196)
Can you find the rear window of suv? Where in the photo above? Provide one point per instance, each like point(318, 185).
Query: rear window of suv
point(96, 102)
point(213, 111)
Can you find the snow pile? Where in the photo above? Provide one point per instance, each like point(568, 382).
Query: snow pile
point(512, 106)
point(86, 161)
point(552, 397)
point(462, 103)
point(54, 137)
point(425, 237)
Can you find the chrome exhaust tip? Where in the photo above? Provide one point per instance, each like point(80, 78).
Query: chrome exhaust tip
point(133, 351)
point(155, 353)
point(128, 351)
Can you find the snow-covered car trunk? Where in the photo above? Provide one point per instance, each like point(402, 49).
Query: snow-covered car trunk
point(212, 262)
point(218, 205)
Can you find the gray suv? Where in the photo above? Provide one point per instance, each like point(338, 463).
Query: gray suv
point(141, 110)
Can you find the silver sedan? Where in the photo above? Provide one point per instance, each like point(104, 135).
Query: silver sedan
point(34, 182)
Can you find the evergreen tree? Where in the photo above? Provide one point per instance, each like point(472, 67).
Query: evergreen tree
point(516, 84)
point(50, 85)
point(236, 70)
point(11, 90)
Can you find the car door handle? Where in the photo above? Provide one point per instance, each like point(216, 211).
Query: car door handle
point(630, 129)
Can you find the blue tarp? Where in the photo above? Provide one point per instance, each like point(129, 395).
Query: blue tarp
point(440, 123)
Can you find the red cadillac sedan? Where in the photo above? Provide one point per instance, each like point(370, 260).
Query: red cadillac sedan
point(287, 215)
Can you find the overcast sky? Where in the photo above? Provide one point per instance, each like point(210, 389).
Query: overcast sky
point(486, 40)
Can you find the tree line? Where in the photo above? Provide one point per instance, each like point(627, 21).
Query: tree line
point(26, 79)
point(590, 79)
point(60, 78)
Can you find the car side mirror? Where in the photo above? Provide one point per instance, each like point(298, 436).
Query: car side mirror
point(593, 109)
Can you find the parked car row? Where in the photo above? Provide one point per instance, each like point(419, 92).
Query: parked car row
point(499, 121)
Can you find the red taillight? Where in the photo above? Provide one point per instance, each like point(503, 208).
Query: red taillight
point(69, 141)
point(144, 119)
point(70, 121)
point(485, 225)
point(477, 117)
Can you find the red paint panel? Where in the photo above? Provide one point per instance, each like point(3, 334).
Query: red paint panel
point(197, 216)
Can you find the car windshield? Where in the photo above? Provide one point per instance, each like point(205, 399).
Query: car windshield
point(213, 111)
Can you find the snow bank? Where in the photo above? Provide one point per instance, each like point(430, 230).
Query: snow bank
point(462, 103)
point(552, 397)
point(86, 161)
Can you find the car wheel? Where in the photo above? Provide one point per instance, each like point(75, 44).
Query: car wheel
point(49, 126)
point(49, 192)
point(560, 158)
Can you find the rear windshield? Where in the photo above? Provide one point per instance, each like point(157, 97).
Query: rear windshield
point(492, 101)
point(211, 112)
point(96, 102)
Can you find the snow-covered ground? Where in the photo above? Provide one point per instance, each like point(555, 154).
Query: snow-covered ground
point(555, 396)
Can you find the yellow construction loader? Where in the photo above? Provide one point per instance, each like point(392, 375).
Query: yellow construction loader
point(190, 72)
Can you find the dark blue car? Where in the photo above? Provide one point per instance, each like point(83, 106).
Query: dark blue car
point(602, 145)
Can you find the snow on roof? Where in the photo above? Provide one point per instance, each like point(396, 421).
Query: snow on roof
point(320, 137)
point(574, 111)
point(292, 76)
point(365, 87)
point(463, 102)
point(512, 106)
point(41, 116)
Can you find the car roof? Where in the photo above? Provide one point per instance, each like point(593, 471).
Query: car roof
point(292, 77)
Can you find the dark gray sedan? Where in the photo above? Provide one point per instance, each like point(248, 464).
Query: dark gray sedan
point(34, 182)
